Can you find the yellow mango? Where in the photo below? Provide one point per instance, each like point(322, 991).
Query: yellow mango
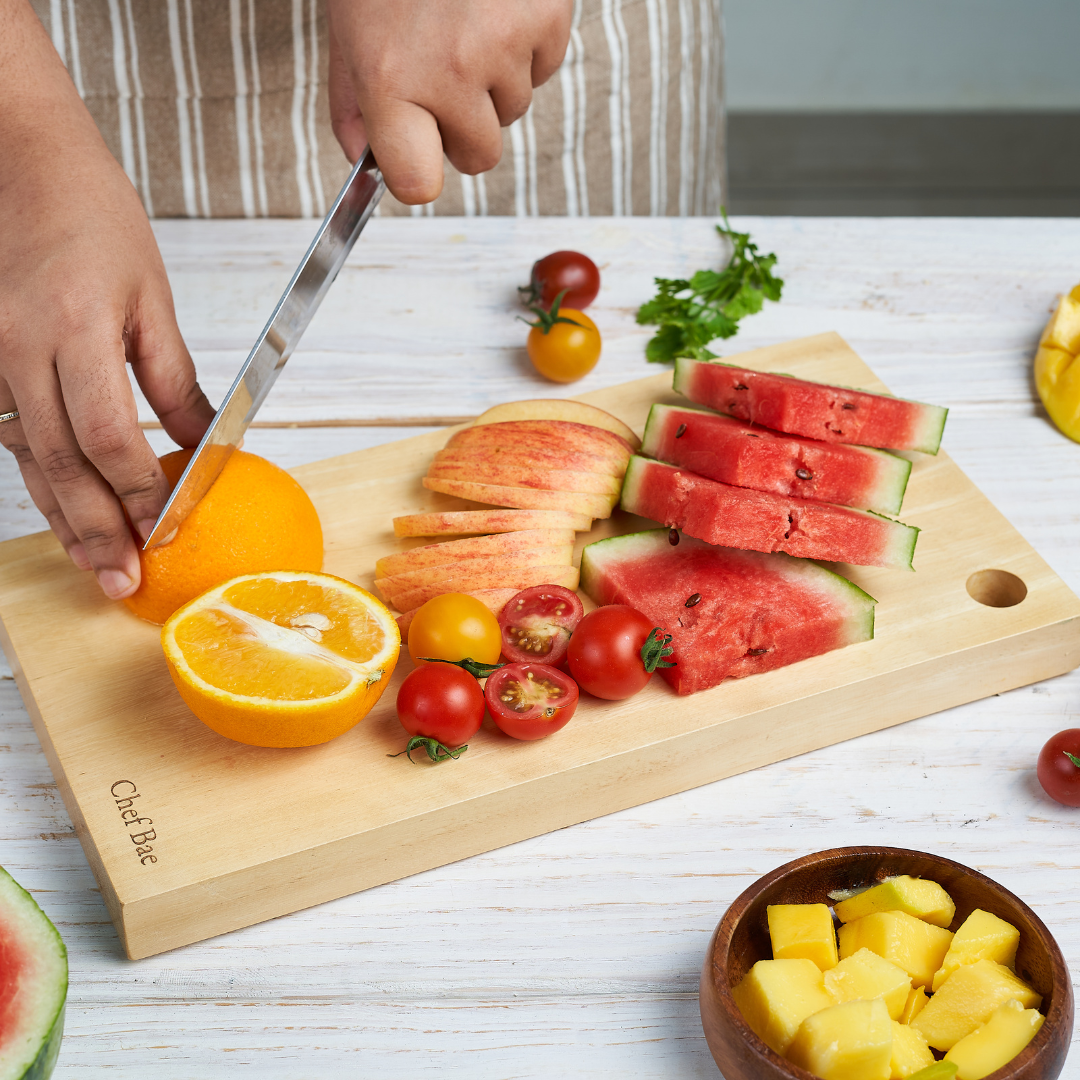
point(1010, 1028)
point(909, 1052)
point(776, 996)
point(925, 900)
point(1063, 329)
point(967, 999)
point(916, 946)
point(1057, 372)
point(850, 1041)
point(914, 1005)
point(981, 936)
point(865, 975)
point(803, 931)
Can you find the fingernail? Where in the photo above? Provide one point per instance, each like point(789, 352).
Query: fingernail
point(115, 584)
point(146, 527)
point(77, 554)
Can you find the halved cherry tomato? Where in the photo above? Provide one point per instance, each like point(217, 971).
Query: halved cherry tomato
point(606, 655)
point(1059, 767)
point(441, 702)
point(564, 271)
point(530, 701)
point(537, 624)
point(452, 627)
point(568, 350)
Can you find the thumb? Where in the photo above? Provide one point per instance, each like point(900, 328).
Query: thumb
point(345, 116)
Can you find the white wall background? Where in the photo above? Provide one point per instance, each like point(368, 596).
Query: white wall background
point(833, 55)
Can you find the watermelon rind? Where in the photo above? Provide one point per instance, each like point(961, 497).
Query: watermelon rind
point(34, 1025)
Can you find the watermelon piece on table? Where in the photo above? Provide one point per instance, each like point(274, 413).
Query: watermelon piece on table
point(754, 612)
point(33, 986)
point(761, 521)
point(814, 410)
point(732, 452)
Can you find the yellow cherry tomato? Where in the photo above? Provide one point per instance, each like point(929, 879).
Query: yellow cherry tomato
point(566, 352)
point(455, 626)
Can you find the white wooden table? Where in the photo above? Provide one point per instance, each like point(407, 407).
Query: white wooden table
point(577, 954)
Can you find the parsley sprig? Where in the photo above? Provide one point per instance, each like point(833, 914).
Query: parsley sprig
point(692, 313)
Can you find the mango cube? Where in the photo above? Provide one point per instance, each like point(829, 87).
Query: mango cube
point(1063, 329)
point(914, 1005)
point(850, 1041)
point(916, 946)
point(803, 931)
point(1010, 1028)
point(981, 936)
point(865, 975)
point(925, 900)
point(909, 1052)
point(966, 1001)
point(776, 996)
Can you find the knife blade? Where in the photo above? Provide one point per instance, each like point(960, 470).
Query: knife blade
point(273, 347)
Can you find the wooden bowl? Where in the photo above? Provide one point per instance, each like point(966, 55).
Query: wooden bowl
point(742, 938)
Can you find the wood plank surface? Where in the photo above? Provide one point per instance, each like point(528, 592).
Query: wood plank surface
point(577, 953)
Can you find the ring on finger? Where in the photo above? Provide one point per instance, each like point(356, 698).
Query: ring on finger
point(13, 415)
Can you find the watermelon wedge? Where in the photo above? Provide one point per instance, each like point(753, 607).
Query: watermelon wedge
point(33, 986)
point(761, 521)
point(729, 613)
point(728, 450)
point(814, 410)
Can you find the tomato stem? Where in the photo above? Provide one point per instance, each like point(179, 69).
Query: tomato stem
point(476, 669)
point(1072, 757)
point(545, 320)
point(435, 749)
point(654, 650)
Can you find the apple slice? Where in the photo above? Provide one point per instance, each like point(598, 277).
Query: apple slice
point(516, 578)
point(556, 434)
point(524, 498)
point(493, 599)
point(533, 477)
point(484, 522)
point(532, 457)
point(558, 409)
point(497, 546)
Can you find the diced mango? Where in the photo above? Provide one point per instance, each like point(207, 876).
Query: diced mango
point(916, 946)
point(1063, 329)
point(981, 936)
point(776, 996)
point(967, 999)
point(940, 1070)
point(909, 1052)
point(803, 931)
point(850, 1041)
point(925, 900)
point(1010, 1028)
point(914, 1005)
point(865, 975)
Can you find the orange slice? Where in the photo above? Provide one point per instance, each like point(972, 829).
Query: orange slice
point(281, 658)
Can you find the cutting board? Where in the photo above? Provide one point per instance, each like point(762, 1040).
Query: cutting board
point(240, 834)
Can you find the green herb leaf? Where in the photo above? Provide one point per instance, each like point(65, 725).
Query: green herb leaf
point(693, 313)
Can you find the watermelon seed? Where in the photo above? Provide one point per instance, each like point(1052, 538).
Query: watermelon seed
point(847, 405)
point(757, 652)
point(673, 537)
point(695, 599)
point(741, 386)
point(804, 474)
point(680, 431)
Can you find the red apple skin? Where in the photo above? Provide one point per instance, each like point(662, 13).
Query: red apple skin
point(597, 506)
point(517, 579)
point(557, 434)
point(532, 457)
point(498, 545)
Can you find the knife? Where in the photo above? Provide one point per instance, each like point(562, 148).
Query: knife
point(313, 277)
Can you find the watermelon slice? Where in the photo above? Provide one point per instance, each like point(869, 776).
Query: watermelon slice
point(753, 457)
point(33, 986)
point(729, 613)
point(815, 410)
point(761, 521)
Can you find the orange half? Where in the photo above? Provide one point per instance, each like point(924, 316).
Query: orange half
point(281, 658)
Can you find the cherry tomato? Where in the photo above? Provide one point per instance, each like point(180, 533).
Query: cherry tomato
point(454, 626)
point(442, 702)
point(605, 652)
point(530, 701)
point(537, 624)
point(1059, 773)
point(566, 352)
point(568, 271)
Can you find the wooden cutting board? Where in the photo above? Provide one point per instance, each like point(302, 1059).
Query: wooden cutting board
point(241, 834)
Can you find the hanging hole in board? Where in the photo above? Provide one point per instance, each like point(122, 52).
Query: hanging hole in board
point(996, 588)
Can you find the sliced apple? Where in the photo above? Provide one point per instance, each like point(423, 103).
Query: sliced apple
point(576, 412)
point(498, 546)
point(516, 578)
point(533, 477)
point(494, 599)
point(533, 456)
point(524, 498)
point(484, 522)
point(556, 434)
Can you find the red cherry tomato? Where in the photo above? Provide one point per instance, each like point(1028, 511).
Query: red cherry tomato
point(530, 701)
point(605, 653)
point(537, 624)
point(564, 270)
point(1059, 773)
point(441, 702)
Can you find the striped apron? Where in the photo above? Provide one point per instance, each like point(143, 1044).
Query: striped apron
point(219, 108)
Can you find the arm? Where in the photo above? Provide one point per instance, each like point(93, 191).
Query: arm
point(83, 291)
